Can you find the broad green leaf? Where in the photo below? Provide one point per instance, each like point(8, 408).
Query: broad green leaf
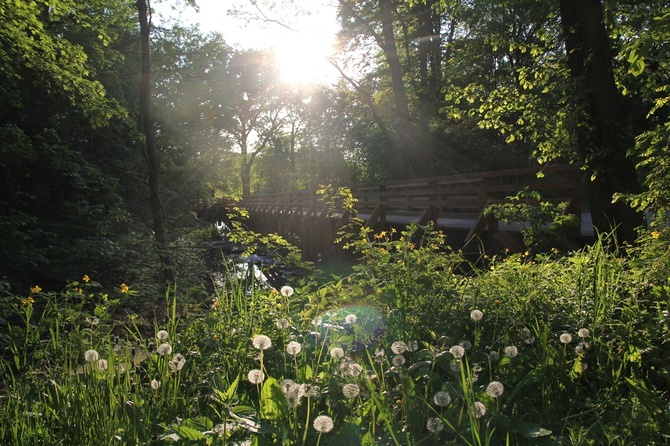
point(189, 433)
point(273, 401)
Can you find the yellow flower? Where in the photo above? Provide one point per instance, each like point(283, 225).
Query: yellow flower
point(35, 289)
point(27, 301)
point(655, 234)
point(86, 279)
point(215, 304)
point(124, 288)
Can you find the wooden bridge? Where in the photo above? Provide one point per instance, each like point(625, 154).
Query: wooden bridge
point(453, 203)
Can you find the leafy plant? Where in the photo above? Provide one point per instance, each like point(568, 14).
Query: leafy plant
point(545, 226)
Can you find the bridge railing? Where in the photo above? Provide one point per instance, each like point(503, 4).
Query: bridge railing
point(462, 197)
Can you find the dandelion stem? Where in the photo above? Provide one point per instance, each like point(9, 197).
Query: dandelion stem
point(304, 433)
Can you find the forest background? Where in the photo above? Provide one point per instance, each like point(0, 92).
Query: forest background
point(430, 87)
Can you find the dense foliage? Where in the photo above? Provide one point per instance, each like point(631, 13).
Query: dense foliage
point(402, 351)
point(414, 345)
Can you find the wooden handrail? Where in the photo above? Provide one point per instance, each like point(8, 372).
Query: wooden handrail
point(453, 194)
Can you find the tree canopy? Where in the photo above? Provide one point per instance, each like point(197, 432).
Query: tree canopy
point(427, 87)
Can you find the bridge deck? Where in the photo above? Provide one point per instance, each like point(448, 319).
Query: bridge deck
point(455, 202)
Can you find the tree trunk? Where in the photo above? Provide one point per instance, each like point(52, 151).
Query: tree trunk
point(413, 149)
point(150, 150)
point(605, 139)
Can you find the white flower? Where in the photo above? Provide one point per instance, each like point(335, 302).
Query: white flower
point(282, 324)
point(102, 364)
point(351, 369)
point(495, 389)
point(286, 291)
point(336, 352)
point(566, 338)
point(262, 342)
point(289, 386)
point(155, 384)
point(398, 360)
point(398, 347)
point(323, 424)
point(442, 398)
point(350, 390)
point(584, 333)
point(255, 376)
point(434, 425)
point(162, 335)
point(479, 409)
point(307, 390)
point(164, 349)
point(91, 355)
point(177, 363)
point(293, 348)
point(476, 315)
point(511, 351)
point(457, 351)
point(350, 319)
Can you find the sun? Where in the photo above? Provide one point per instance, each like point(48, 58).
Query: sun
point(303, 60)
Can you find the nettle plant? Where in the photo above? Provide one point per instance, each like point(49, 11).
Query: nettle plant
point(545, 226)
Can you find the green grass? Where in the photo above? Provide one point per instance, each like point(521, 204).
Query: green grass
point(556, 350)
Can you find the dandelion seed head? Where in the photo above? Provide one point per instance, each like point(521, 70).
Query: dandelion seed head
point(177, 363)
point(261, 342)
point(457, 351)
point(255, 376)
point(434, 425)
point(565, 338)
point(289, 386)
point(293, 348)
point(155, 384)
point(398, 347)
point(91, 355)
point(282, 324)
point(323, 424)
point(307, 391)
point(317, 320)
point(476, 315)
point(350, 319)
point(511, 351)
point(102, 364)
point(467, 345)
point(494, 356)
point(412, 346)
point(164, 349)
point(398, 360)
point(286, 291)
point(584, 333)
point(479, 409)
point(351, 369)
point(336, 352)
point(442, 398)
point(350, 390)
point(495, 389)
point(162, 335)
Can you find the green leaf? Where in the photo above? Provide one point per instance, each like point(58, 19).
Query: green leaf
point(535, 432)
point(189, 433)
point(274, 405)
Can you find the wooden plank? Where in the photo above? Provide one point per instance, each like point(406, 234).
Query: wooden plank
point(377, 214)
point(479, 226)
